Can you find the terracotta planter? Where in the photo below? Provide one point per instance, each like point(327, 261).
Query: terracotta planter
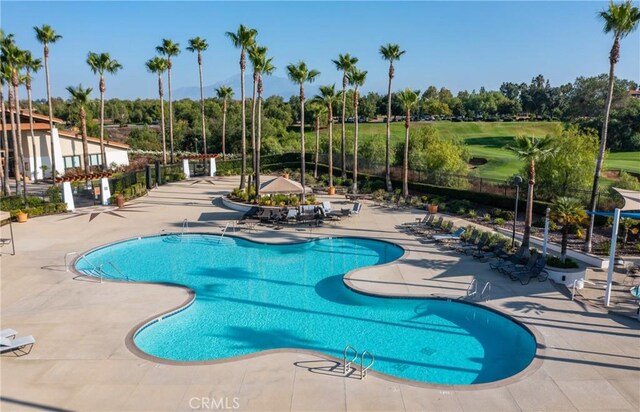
point(331, 190)
point(120, 201)
point(433, 209)
point(22, 217)
point(285, 175)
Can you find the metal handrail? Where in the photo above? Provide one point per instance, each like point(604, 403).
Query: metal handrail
point(363, 370)
point(223, 232)
point(113, 265)
point(94, 267)
point(472, 289)
point(66, 258)
point(347, 365)
point(185, 226)
point(487, 289)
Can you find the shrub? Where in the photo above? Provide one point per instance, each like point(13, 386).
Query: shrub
point(580, 234)
point(310, 200)
point(555, 262)
point(461, 211)
point(472, 213)
point(486, 217)
point(498, 221)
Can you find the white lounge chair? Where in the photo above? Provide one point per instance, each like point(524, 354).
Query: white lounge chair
point(17, 345)
point(8, 333)
point(451, 236)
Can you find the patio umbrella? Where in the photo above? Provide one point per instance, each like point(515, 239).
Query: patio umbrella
point(282, 185)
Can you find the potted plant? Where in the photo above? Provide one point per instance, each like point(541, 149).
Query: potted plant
point(331, 190)
point(433, 206)
point(21, 216)
point(566, 211)
point(119, 200)
point(285, 174)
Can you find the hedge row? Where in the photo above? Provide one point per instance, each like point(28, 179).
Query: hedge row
point(44, 209)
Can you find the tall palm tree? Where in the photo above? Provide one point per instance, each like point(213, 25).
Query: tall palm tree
point(391, 53)
point(46, 36)
point(267, 68)
point(4, 79)
point(31, 65)
point(158, 65)
point(567, 212)
point(319, 110)
point(242, 39)
point(100, 64)
point(329, 97)
point(408, 99)
point(621, 20)
point(300, 74)
point(356, 79)
point(531, 150)
point(344, 63)
point(170, 49)
point(198, 45)
point(80, 99)
point(225, 93)
point(256, 56)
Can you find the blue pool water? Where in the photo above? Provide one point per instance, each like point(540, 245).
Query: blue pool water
point(252, 297)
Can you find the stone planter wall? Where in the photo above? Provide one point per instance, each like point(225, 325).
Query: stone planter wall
point(566, 276)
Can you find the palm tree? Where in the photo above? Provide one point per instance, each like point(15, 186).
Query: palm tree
point(4, 78)
point(344, 63)
point(242, 39)
point(225, 93)
point(319, 110)
point(46, 36)
point(329, 97)
point(31, 65)
point(169, 49)
point(531, 150)
point(567, 212)
point(198, 45)
point(408, 99)
point(80, 99)
point(300, 74)
point(356, 79)
point(158, 65)
point(256, 56)
point(266, 67)
point(100, 64)
point(621, 20)
point(390, 53)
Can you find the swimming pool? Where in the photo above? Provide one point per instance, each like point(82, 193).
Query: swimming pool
point(252, 297)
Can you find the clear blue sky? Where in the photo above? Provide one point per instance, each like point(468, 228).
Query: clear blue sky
point(460, 45)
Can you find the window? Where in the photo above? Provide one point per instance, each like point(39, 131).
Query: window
point(71, 161)
point(95, 160)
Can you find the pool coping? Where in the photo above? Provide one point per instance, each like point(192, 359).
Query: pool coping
point(533, 366)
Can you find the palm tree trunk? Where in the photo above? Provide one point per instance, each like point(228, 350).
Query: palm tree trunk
point(162, 125)
point(33, 135)
point(170, 112)
point(54, 170)
point(85, 143)
point(344, 129)
point(18, 126)
point(603, 143)
point(355, 143)
point(253, 125)
point(388, 152)
point(14, 140)
point(405, 160)
point(330, 120)
point(224, 128)
point(259, 139)
point(529, 212)
point(204, 130)
point(6, 189)
point(103, 153)
point(315, 171)
point(243, 167)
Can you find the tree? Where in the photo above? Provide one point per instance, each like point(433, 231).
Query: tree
point(356, 79)
point(318, 110)
point(79, 100)
point(144, 138)
point(102, 63)
point(409, 100)
point(567, 211)
point(265, 67)
point(4, 78)
point(242, 39)
point(301, 74)
point(344, 63)
point(159, 65)
point(621, 20)
point(170, 49)
point(531, 150)
point(225, 93)
point(256, 55)
point(31, 65)
point(390, 53)
point(46, 35)
point(329, 97)
point(198, 45)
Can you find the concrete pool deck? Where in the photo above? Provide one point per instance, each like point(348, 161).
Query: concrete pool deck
point(591, 359)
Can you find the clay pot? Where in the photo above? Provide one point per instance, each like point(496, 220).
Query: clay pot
point(331, 190)
point(22, 217)
point(433, 208)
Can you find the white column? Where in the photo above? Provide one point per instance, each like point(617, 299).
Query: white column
point(67, 195)
point(212, 167)
point(546, 233)
point(185, 167)
point(105, 192)
point(612, 255)
point(57, 151)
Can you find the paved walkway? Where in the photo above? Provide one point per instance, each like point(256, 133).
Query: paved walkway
point(589, 360)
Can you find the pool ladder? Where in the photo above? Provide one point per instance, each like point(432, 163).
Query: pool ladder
point(472, 290)
point(185, 228)
point(347, 363)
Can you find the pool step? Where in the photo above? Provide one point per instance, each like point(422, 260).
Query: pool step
point(346, 365)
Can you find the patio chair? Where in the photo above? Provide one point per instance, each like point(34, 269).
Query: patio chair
point(329, 211)
point(451, 236)
point(505, 260)
point(420, 221)
point(17, 345)
point(8, 333)
point(446, 228)
point(492, 252)
point(510, 269)
point(427, 226)
point(537, 270)
point(468, 249)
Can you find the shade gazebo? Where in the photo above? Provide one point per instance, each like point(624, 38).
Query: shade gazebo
point(284, 186)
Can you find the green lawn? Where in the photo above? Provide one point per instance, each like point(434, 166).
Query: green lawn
point(487, 140)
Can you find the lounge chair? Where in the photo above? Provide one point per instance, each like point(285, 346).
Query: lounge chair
point(17, 345)
point(511, 269)
point(495, 250)
point(427, 226)
point(469, 249)
point(537, 270)
point(329, 211)
point(508, 260)
point(451, 236)
point(420, 222)
point(446, 228)
point(8, 333)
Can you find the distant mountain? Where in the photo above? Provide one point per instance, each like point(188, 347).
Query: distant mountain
point(273, 85)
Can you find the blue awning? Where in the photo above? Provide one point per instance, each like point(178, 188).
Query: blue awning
point(632, 215)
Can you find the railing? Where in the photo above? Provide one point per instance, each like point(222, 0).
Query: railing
point(472, 289)
point(363, 370)
point(113, 265)
point(485, 295)
point(347, 365)
point(97, 269)
point(185, 228)
point(66, 258)
point(223, 232)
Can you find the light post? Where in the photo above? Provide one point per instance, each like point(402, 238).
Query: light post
point(517, 181)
